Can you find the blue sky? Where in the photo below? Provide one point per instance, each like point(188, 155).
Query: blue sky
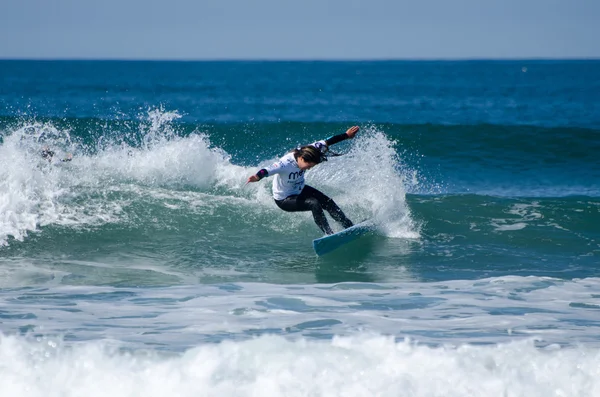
point(302, 29)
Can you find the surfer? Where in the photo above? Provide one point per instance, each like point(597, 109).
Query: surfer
point(290, 192)
point(48, 154)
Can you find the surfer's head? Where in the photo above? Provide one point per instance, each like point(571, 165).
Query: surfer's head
point(307, 157)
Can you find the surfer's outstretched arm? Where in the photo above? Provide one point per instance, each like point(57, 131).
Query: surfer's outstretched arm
point(324, 144)
point(349, 134)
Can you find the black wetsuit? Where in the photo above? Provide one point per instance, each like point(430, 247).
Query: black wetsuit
point(310, 199)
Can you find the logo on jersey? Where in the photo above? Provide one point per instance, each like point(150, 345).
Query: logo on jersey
point(295, 175)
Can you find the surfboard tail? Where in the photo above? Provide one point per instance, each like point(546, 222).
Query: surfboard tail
point(332, 242)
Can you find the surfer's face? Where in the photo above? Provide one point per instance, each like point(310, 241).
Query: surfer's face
point(304, 165)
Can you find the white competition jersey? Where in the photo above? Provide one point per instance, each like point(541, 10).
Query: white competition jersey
point(289, 178)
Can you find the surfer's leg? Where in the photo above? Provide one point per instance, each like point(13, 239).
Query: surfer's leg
point(303, 203)
point(328, 205)
point(318, 214)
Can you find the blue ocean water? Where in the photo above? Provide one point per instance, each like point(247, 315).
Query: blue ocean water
point(146, 266)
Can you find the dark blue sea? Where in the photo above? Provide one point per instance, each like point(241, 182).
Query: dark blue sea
point(145, 266)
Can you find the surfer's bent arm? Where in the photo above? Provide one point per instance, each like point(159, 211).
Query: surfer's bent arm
point(265, 172)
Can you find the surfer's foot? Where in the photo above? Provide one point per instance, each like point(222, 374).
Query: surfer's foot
point(347, 223)
point(326, 229)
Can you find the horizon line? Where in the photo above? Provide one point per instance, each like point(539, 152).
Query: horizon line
point(382, 59)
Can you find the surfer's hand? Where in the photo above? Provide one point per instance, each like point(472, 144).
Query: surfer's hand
point(253, 178)
point(352, 131)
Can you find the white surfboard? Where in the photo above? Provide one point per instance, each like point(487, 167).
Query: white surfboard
point(331, 242)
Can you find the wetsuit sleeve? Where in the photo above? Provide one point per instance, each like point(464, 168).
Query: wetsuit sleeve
point(324, 144)
point(262, 173)
point(274, 168)
point(336, 138)
point(321, 145)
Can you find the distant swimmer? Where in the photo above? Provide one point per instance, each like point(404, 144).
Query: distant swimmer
point(48, 154)
point(290, 192)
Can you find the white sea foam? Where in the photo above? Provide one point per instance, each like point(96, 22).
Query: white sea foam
point(507, 336)
point(525, 213)
point(511, 227)
point(372, 182)
point(363, 365)
point(30, 187)
point(80, 193)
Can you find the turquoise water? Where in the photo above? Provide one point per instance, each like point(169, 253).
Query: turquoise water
point(146, 265)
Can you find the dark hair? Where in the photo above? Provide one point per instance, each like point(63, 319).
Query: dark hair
point(309, 153)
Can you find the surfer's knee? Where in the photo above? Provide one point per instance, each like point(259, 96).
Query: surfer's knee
point(313, 204)
point(330, 206)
